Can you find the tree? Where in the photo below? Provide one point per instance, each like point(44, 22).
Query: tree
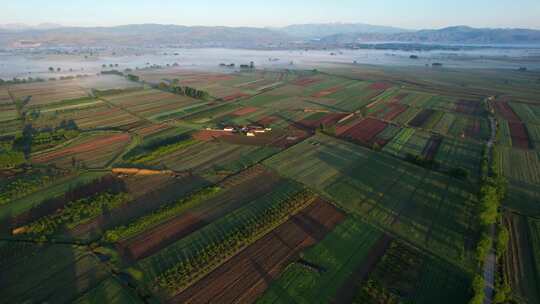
point(503, 237)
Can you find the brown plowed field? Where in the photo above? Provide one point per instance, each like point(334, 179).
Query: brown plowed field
point(267, 120)
point(235, 96)
point(208, 135)
point(469, 107)
point(246, 276)
point(326, 92)
point(93, 145)
point(503, 109)
point(380, 86)
point(327, 120)
point(304, 82)
point(245, 111)
point(520, 137)
point(365, 131)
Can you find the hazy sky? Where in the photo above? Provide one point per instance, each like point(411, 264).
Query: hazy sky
point(412, 14)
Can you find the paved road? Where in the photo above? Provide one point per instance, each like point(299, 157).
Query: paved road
point(491, 259)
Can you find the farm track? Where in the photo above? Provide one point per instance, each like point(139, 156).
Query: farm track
point(245, 276)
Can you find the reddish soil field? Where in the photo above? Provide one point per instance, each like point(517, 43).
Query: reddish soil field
point(505, 111)
point(519, 134)
point(365, 131)
point(245, 111)
point(469, 107)
point(85, 147)
point(399, 97)
point(235, 96)
point(304, 82)
point(198, 78)
point(327, 120)
point(246, 276)
point(380, 86)
point(267, 120)
point(393, 111)
point(473, 129)
point(326, 92)
point(208, 135)
point(294, 135)
point(421, 118)
point(151, 129)
point(432, 146)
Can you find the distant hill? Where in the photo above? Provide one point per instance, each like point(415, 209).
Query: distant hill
point(25, 27)
point(322, 35)
point(151, 34)
point(455, 34)
point(316, 31)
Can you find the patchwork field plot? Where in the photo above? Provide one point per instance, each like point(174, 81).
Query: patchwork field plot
point(43, 93)
point(89, 150)
point(522, 169)
point(365, 131)
point(202, 213)
point(154, 105)
point(214, 157)
point(245, 277)
point(323, 269)
point(5, 98)
point(405, 274)
point(519, 134)
point(521, 259)
point(221, 240)
point(356, 184)
point(417, 204)
point(527, 112)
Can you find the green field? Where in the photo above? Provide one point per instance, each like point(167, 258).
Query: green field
point(423, 207)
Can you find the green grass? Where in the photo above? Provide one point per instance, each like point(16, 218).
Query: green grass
point(340, 253)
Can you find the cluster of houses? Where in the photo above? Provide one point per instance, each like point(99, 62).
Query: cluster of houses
point(250, 130)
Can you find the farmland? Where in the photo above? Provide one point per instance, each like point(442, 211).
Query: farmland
point(344, 184)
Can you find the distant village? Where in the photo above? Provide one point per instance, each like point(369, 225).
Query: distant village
point(250, 130)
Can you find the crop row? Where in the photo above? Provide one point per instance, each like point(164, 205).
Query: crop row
point(160, 215)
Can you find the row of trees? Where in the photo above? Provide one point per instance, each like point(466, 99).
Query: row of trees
point(185, 91)
point(159, 216)
point(208, 256)
point(492, 193)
